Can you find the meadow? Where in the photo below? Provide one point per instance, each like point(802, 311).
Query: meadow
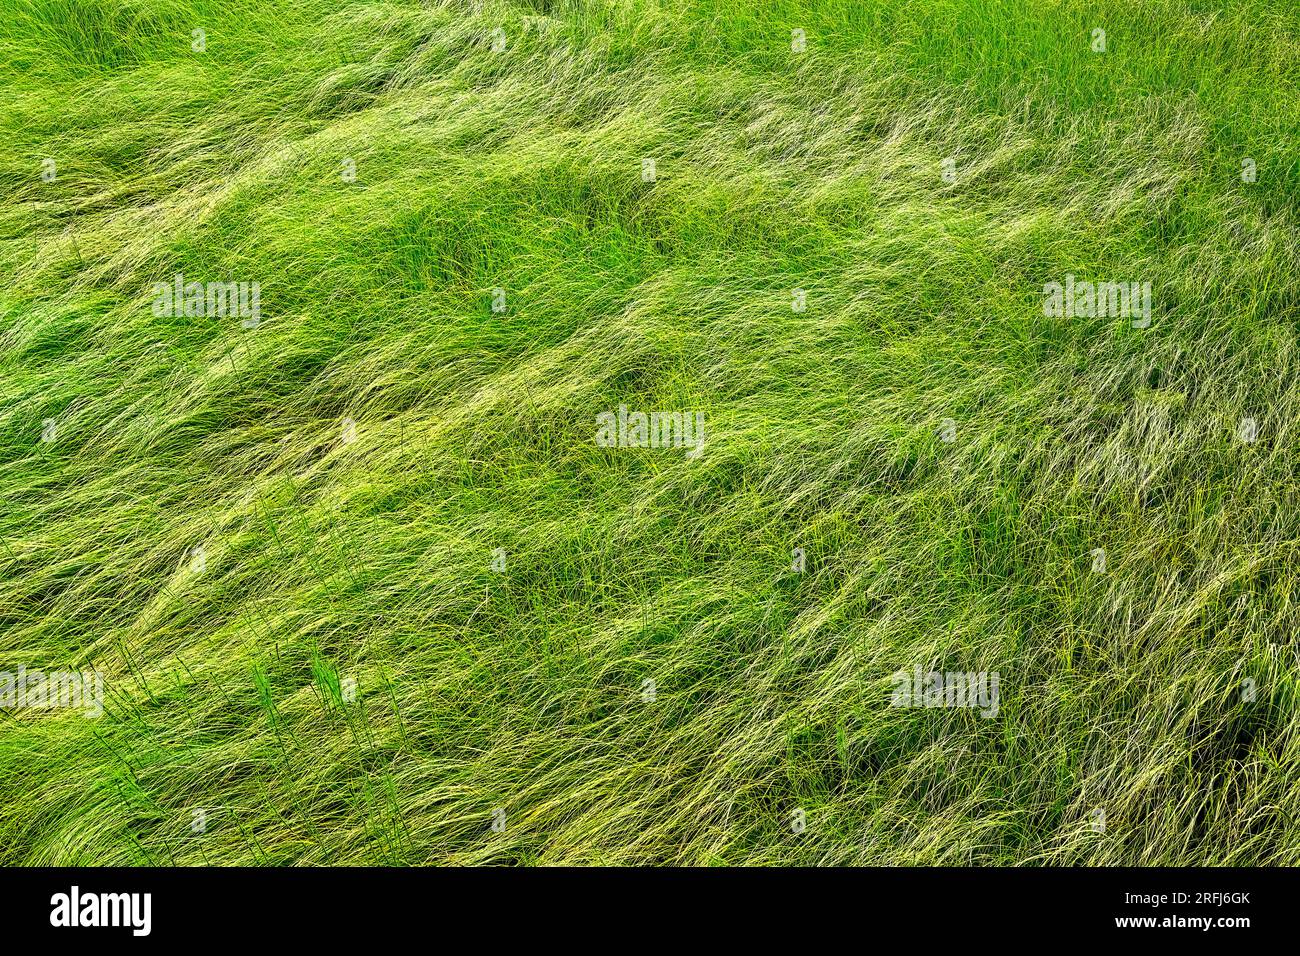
point(382, 568)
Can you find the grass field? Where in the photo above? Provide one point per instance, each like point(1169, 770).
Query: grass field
point(364, 582)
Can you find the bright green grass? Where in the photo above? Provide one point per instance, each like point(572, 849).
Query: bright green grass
point(1120, 691)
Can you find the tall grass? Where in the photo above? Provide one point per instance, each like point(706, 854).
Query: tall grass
point(346, 679)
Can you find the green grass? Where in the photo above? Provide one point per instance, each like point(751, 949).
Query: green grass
point(330, 562)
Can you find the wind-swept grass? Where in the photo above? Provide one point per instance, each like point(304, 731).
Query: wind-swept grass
point(339, 673)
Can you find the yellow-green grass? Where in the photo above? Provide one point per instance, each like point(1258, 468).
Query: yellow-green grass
point(344, 677)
